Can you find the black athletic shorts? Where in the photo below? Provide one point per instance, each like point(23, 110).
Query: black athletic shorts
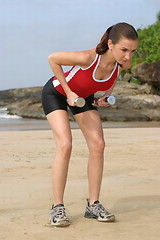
point(53, 100)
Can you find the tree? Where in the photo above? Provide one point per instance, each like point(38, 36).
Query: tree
point(158, 16)
point(149, 44)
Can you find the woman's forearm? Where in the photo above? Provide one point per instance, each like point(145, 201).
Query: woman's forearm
point(58, 72)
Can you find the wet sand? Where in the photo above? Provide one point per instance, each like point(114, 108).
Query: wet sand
point(35, 124)
point(130, 186)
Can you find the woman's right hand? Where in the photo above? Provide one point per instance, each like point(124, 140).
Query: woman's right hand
point(71, 97)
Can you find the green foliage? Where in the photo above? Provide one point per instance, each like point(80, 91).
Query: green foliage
point(149, 44)
point(135, 80)
point(158, 16)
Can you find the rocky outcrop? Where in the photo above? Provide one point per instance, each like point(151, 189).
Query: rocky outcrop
point(20, 94)
point(24, 102)
point(147, 73)
point(133, 103)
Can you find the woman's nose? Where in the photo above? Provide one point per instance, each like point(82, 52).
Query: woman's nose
point(128, 56)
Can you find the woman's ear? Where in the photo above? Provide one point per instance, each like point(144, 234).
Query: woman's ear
point(110, 44)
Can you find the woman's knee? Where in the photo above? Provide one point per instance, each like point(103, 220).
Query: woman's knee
point(64, 145)
point(98, 145)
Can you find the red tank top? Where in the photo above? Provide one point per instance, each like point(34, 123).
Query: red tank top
point(83, 82)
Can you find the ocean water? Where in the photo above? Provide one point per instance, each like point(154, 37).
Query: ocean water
point(13, 123)
point(5, 115)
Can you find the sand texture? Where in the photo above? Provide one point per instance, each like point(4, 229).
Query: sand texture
point(130, 189)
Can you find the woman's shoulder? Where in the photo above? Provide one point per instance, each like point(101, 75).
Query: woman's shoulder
point(88, 57)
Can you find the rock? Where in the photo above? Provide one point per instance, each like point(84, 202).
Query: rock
point(140, 71)
point(124, 88)
point(148, 73)
point(27, 109)
point(24, 102)
point(127, 77)
point(141, 107)
point(133, 103)
point(19, 94)
point(154, 74)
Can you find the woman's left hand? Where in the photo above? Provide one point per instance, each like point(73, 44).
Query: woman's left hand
point(102, 102)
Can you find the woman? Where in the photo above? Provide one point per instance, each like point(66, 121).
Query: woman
point(93, 70)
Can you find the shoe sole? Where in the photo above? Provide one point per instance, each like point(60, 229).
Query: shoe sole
point(61, 224)
point(109, 219)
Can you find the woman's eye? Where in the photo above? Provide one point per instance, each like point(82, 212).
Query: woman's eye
point(124, 50)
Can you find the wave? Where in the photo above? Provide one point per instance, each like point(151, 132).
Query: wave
point(4, 114)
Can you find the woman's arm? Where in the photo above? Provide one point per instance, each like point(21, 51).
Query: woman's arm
point(57, 60)
point(101, 101)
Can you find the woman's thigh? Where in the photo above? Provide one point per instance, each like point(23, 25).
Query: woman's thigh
point(91, 126)
point(59, 123)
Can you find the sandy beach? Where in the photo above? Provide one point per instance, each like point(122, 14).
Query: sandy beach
point(130, 189)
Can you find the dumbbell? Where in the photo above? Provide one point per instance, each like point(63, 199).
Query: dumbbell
point(79, 102)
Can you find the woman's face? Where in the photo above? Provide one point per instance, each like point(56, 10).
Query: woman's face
point(123, 50)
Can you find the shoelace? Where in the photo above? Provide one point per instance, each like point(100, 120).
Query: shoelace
point(100, 209)
point(61, 212)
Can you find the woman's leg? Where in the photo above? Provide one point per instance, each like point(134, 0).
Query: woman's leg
point(60, 126)
point(91, 126)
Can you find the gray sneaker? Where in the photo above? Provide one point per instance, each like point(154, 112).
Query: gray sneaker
point(58, 216)
point(97, 211)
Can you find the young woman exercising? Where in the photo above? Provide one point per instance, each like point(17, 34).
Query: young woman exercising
point(92, 70)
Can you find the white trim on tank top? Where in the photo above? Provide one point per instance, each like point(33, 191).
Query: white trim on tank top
point(104, 80)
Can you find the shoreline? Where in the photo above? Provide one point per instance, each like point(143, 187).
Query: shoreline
point(34, 124)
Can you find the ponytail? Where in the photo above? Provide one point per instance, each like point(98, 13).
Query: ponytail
point(102, 47)
point(115, 33)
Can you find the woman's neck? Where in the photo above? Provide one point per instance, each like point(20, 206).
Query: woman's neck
point(107, 59)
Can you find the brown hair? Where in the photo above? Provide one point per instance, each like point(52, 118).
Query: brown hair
point(114, 33)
